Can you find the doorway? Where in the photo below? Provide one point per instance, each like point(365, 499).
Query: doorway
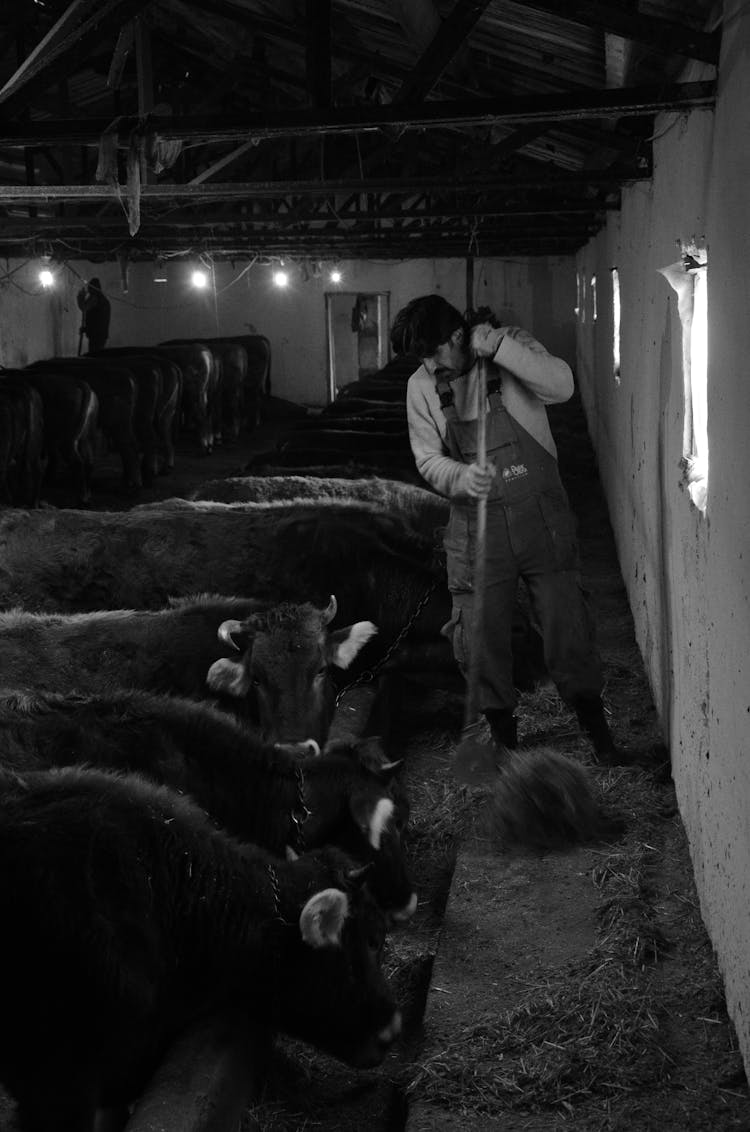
point(358, 324)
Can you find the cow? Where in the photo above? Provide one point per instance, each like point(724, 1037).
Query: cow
point(392, 424)
point(283, 674)
point(425, 510)
point(21, 443)
point(362, 406)
point(369, 389)
point(379, 567)
point(230, 360)
point(257, 381)
point(116, 393)
point(390, 462)
point(168, 399)
point(325, 436)
point(199, 388)
point(287, 654)
point(74, 561)
point(147, 380)
point(70, 416)
point(266, 464)
point(275, 795)
point(129, 917)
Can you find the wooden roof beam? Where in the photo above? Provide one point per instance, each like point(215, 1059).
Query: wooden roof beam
point(65, 54)
point(664, 35)
point(447, 43)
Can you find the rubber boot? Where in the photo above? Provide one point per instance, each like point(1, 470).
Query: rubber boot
point(504, 727)
point(591, 716)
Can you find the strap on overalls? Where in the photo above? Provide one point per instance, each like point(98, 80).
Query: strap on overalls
point(524, 466)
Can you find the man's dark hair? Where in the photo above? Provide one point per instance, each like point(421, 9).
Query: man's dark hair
point(423, 325)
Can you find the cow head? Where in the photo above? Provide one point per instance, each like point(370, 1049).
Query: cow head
point(356, 803)
point(287, 652)
point(335, 993)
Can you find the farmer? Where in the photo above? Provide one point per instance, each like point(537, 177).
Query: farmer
point(95, 309)
point(530, 529)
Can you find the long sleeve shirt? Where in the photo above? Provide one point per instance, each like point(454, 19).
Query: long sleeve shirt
point(531, 379)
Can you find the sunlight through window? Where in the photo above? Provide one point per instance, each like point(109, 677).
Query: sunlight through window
point(616, 325)
point(689, 278)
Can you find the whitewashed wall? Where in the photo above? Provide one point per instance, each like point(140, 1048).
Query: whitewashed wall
point(688, 574)
point(537, 293)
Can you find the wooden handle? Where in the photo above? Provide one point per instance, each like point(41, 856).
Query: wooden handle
point(471, 709)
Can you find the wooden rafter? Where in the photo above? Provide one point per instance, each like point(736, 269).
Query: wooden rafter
point(66, 53)
point(662, 34)
point(446, 44)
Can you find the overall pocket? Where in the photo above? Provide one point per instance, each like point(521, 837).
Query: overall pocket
point(562, 531)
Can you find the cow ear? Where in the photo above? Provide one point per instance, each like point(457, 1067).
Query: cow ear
point(372, 820)
point(290, 854)
point(321, 921)
point(305, 749)
point(346, 643)
point(229, 677)
point(357, 877)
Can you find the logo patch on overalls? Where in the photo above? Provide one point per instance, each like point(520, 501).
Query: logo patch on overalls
point(515, 472)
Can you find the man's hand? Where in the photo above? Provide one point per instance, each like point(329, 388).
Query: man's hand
point(485, 339)
point(476, 482)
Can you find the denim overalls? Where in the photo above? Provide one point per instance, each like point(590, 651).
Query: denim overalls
point(530, 533)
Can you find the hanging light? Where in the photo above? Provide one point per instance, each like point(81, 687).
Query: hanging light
point(199, 279)
point(281, 278)
point(46, 273)
point(335, 275)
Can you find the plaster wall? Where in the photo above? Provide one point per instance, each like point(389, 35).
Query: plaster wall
point(687, 573)
point(537, 293)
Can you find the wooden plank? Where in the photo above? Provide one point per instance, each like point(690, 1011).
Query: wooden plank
point(73, 14)
point(447, 43)
point(206, 1080)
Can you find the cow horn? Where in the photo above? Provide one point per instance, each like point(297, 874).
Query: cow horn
point(329, 612)
point(225, 631)
point(357, 876)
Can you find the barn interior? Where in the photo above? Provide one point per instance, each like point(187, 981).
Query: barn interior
point(298, 171)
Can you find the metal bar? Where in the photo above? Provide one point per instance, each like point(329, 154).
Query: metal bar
point(615, 103)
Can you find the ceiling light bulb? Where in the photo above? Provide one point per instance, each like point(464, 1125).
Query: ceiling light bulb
point(199, 279)
point(46, 278)
point(280, 278)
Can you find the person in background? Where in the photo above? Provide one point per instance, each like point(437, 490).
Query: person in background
point(95, 309)
point(530, 529)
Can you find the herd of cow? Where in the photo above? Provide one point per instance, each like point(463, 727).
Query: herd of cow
point(182, 827)
point(135, 400)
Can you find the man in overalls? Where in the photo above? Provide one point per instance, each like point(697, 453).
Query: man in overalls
point(530, 529)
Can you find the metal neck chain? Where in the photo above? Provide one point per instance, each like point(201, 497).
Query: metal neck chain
point(275, 893)
point(370, 673)
point(300, 811)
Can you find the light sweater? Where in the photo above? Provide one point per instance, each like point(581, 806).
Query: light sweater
point(531, 379)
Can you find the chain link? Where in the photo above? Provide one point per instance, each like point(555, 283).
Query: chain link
point(300, 811)
point(370, 673)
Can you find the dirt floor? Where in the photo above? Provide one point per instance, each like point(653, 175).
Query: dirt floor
point(595, 1002)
